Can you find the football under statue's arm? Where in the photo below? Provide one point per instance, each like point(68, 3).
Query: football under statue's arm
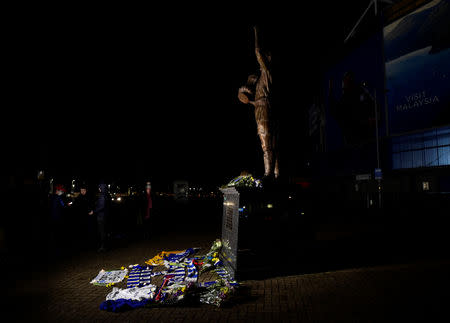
point(244, 95)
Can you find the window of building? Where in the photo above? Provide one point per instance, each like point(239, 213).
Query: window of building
point(426, 149)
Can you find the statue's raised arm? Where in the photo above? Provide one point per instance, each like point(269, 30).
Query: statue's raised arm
point(262, 59)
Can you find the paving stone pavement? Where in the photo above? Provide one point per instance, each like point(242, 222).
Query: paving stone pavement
point(418, 291)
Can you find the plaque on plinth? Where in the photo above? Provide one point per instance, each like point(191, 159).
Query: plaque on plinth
point(249, 225)
point(230, 229)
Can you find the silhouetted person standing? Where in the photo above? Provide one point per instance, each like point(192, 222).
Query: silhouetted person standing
point(86, 224)
point(58, 219)
point(101, 210)
point(147, 208)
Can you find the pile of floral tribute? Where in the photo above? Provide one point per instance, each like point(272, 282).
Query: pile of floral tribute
point(180, 281)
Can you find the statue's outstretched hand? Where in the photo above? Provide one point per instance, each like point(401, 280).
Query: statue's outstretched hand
point(256, 29)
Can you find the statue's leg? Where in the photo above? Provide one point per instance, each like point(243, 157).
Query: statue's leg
point(266, 148)
point(267, 162)
point(276, 166)
point(276, 170)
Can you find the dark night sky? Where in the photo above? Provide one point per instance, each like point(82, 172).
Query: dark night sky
point(115, 92)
